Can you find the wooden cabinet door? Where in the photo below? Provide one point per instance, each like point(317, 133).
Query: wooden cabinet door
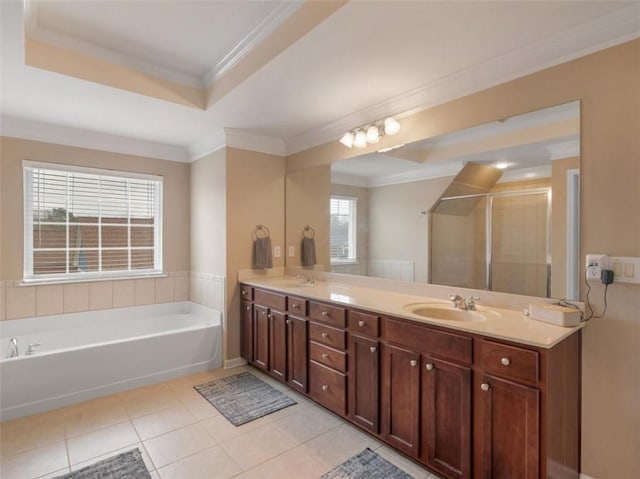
point(510, 445)
point(401, 399)
point(278, 345)
point(246, 331)
point(446, 417)
point(297, 353)
point(364, 378)
point(261, 337)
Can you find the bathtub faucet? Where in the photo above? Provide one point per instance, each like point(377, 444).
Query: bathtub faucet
point(13, 348)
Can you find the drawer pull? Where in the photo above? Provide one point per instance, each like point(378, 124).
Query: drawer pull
point(325, 313)
point(361, 324)
point(429, 366)
point(373, 349)
point(288, 321)
point(505, 361)
point(325, 387)
point(413, 363)
point(485, 387)
point(325, 356)
point(324, 335)
point(295, 306)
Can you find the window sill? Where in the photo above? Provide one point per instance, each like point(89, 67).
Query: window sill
point(345, 262)
point(40, 282)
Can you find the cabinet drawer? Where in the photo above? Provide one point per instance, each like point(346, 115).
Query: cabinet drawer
point(327, 335)
point(325, 313)
point(329, 357)
point(432, 341)
point(509, 361)
point(328, 387)
point(246, 292)
point(364, 324)
point(297, 306)
point(269, 298)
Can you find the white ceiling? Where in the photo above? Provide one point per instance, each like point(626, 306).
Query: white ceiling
point(367, 60)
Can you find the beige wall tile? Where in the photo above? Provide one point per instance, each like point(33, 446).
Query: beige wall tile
point(101, 295)
point(123, 293)
point(181, 288)
point(49, 299)
point(145, 291)
point(21, 302)
point(164, 290)
point(76, 297)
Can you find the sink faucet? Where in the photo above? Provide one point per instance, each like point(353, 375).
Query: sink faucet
point(305, 279)
point(467, 304)
point(13, 348)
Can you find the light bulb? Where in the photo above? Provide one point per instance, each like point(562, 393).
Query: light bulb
point(502, 165)
point(391, 126)
point(347, 139)
point(373, 135)
point(360, 141)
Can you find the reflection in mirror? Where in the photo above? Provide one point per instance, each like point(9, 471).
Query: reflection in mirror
point(490, 207)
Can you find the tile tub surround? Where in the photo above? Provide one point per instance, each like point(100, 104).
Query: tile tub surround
point(180, 436)
point(18, 300)
point(512, 325)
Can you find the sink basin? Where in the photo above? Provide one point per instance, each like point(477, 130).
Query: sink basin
point(445, 312)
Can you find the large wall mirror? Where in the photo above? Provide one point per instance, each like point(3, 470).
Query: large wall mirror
point(492, 207)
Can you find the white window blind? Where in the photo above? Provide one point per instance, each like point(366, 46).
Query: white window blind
point(342, 241)
point(82, 223)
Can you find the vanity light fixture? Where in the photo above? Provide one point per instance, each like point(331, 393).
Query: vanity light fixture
point(370, 133)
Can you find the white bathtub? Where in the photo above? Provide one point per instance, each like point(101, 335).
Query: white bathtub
point(91, 354)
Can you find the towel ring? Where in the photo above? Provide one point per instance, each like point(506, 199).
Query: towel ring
point(262, 229)
point(308, 229)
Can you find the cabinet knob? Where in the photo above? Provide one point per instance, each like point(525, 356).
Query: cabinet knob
point(429, 366)
point(361, 324)
point(325, 356)
point(269, 316)
point(505, 361)
point(485, 387)
point(325, 387)
point(264, 313)
point(248, 308)
point(324, 335)
point(413, 363)
point(373, 349)
point(295, 306)
point(288, 321)
point(325, 313)
point(243, 292)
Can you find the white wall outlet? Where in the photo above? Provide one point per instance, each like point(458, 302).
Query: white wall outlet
point(292, 251)
point(276, 251)
point(594, 265)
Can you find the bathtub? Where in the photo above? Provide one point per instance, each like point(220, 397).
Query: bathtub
point(91, 354)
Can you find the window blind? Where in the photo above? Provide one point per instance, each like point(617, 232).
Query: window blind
point(85, 223)
point(342, 214)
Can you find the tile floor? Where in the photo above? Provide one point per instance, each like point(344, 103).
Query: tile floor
point(182, 436)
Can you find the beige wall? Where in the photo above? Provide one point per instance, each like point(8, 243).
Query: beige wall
point(307, 203)
point(255, 195)
point(607, 84)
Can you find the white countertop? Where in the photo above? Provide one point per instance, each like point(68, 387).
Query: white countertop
point(499, 323)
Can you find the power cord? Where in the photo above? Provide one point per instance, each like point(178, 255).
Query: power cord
point(604, 310)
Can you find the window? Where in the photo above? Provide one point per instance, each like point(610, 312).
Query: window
point(342, 244)
point(83, 223)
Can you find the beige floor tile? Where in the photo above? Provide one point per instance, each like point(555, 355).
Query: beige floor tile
point(163, 421)
point(55, 474)
point(101, 441)
point(403, 463)
point(23, 434)
point(149, 403)
point(306, 423)
point(36, 462)
point(143, 452)
point(155, 475)
point(299, 460)
point(176, 445)
point(90, 416)
point(222, 430)
point(200, 408)
point(212, 463)
point(262, 444)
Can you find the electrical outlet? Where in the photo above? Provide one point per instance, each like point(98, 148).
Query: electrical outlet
point(276, 251)
point(292, 251)
point(594, 265)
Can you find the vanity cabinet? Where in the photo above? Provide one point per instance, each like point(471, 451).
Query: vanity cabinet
point(462, 404)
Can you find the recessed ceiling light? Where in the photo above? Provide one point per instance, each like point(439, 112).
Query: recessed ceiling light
point(502, 165)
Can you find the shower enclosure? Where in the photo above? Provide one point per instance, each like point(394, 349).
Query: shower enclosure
point(498, 241)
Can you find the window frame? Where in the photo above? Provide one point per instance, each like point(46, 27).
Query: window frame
point(28, 276)
point(353, 231)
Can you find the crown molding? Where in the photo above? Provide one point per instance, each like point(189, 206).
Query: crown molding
point(272, 21)
point(211, 142)
point(603, 32)
point(525, 174)
point(567, 149)
point(69, 136)
point(251, 141)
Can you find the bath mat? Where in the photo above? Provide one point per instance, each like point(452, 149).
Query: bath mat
point(243, 397)
point(128, 465)
point(366, 465)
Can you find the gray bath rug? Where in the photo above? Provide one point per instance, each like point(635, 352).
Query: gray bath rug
point(128, 465)
point(366, 465)
point(243, 397)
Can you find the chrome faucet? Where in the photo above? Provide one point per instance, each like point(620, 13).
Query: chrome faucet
point(13, 348)
point(305, 279)
point(467, 304)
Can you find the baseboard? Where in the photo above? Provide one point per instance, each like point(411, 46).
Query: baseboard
point(234, 363)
